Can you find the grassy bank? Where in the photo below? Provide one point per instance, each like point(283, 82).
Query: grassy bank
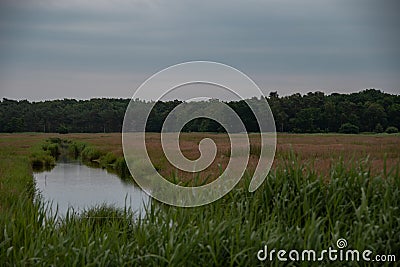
point(295, 208)
point(96, 157)
point(18, 153)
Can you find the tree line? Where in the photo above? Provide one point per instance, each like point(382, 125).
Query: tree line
point(370, 110)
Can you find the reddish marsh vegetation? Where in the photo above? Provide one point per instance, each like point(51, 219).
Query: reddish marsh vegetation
point(318, 152)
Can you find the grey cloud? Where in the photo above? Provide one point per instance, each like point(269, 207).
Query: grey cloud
point(292, 38)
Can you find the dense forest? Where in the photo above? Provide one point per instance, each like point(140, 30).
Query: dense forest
point(366, 111)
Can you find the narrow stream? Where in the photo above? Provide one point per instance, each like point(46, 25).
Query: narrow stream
point(77, 186)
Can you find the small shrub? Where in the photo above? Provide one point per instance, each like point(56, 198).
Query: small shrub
point(62, 129)
point(378, 128)
point(54, 140)
point(349, 128)
point(122, 168)
point(391, 130)
point(76, 148)
point(41, 160)
point(44, 156)
point(52, 148)
point(108, 159)
point(36, 162)
point(90, 154)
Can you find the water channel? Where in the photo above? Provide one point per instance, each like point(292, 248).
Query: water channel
point(71, 184)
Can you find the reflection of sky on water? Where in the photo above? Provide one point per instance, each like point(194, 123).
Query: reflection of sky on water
point(78, 186)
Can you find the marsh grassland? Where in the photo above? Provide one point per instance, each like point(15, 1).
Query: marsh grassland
point(321, 188)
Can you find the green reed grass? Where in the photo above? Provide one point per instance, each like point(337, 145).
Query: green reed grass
point(293, 209)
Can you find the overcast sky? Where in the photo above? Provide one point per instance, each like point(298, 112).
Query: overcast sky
point(84, 49)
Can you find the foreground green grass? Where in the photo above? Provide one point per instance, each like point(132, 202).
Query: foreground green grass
point(293, 209)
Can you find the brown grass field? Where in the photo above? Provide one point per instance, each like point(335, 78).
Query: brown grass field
point(319, 151)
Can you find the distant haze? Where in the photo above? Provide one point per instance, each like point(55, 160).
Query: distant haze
point(84, 49)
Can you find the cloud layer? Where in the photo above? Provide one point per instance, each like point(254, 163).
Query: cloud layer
point(84, 49)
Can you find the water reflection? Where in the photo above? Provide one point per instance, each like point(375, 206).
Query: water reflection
point(72, 184)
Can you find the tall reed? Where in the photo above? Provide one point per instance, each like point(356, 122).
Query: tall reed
point(293, 209)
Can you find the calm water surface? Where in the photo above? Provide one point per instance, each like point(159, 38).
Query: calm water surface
point(72, 184)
